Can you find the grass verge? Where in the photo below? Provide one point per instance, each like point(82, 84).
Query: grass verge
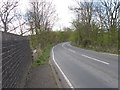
point(96, 49)
point(44, 56)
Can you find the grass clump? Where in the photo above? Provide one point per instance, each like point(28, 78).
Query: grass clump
point(44, 56)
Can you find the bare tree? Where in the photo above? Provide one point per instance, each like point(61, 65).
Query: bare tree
point(7, 14)
point(84, 17)
point(84, 11)
point(108, 12)
point(41, 16)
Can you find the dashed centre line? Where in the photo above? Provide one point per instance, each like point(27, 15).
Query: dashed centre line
point(95, 59)
point(86, 55)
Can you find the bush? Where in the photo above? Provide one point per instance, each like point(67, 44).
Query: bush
point(86, 42)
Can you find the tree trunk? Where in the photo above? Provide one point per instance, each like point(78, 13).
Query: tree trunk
point(5, 27)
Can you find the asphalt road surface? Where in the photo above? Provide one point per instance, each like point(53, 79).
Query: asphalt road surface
point(86, 68)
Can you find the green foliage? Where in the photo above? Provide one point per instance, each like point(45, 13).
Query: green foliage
point(62, 36)
point(43, 39)
point(91, 37)
point(33, 41)
point(44, 56)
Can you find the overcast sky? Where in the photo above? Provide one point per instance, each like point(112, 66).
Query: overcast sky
point(64, 14)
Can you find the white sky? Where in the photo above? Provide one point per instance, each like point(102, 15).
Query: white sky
point(64, 14)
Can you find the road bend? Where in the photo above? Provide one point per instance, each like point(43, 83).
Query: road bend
point(86, 68)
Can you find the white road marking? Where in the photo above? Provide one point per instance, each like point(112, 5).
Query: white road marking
point(100, 52)
point(110, 54)
point(67, 80)
point(68, 48)
point(63, 44)
point(96, 59)
point(71, 50)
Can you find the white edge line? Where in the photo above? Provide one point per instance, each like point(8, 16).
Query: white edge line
point(111, 54)
point(67, 48)
point(67, 80)
point(101, 52)
point(96, 59)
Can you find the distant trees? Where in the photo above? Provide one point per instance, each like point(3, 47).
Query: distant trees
point(62, 36)
point(96, 24)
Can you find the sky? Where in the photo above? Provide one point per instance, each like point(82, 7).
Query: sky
point(65, 16)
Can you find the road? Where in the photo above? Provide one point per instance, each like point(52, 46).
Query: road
point(86, 68)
